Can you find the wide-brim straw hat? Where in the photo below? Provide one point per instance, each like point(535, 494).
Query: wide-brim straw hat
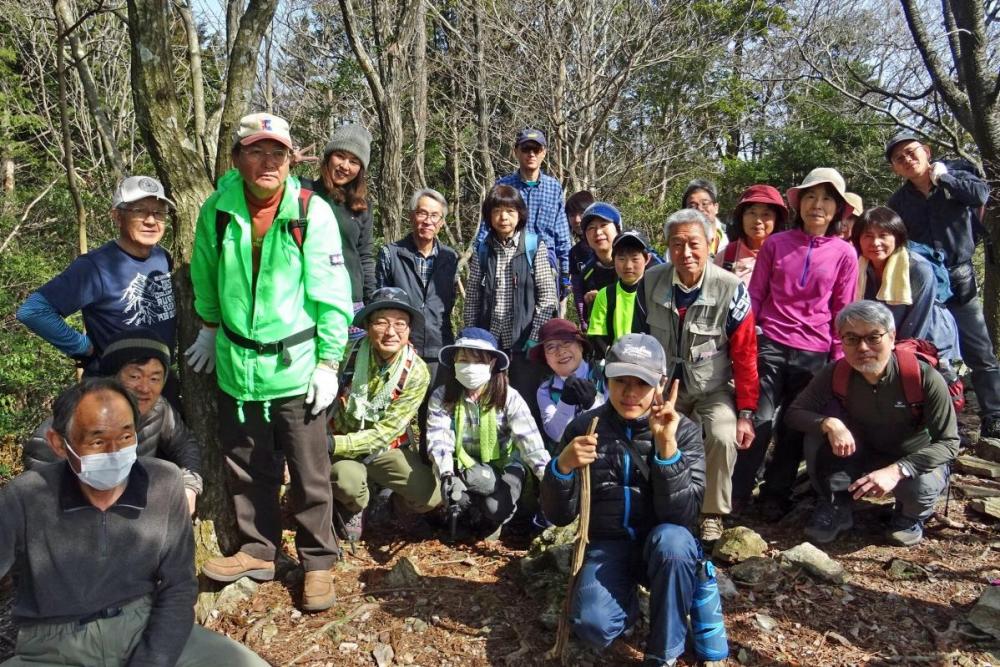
point(819, 176)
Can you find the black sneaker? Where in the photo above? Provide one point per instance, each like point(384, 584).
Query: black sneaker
point(990, 428)
point(348, 525)
point(829, 519)
point(905, 532)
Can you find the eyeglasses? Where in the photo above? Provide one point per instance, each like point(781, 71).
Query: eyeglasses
point(907, 155)
point(871, 340)
point(556, 346)
point(381, 326)
point(258, 154)
point(702, 205)
point(532, 148)
point(420, 215)
point(160, 215)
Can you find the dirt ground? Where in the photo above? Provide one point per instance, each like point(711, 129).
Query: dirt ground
point(469, 608)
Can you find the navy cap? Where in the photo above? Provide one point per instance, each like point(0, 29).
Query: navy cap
point(604, 211)
point(474, 338)
point(900, 138)
point(632, 237)
point(389, 297)
point(530, 134)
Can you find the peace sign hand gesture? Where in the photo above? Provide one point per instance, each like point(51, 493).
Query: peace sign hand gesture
point(664, 419)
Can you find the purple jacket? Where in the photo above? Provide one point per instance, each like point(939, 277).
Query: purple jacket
point(799, 284)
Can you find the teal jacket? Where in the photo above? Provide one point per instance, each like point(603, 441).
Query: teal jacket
point(296, 289)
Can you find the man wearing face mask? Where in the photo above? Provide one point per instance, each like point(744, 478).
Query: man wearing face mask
point(103, 548)
point(383, 383)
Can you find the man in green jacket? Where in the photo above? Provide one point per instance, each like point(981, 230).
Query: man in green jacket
point(268, 271)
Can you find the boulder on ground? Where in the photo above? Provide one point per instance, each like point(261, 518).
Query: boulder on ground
point(814, 561)
point(738, 544)
point(986, 614)
point(755, 572)
point(405, 573)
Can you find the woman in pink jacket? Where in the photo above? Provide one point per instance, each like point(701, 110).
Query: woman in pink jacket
point(802, 278)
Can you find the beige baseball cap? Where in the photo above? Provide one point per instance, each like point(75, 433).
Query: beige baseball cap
point(260, 126)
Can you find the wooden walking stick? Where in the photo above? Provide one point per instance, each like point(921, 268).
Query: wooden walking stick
point(558, 651)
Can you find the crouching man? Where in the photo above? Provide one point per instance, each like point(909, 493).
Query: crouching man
point(647, 467)
point(103, 548)
point(383, 383)
point(883, 423)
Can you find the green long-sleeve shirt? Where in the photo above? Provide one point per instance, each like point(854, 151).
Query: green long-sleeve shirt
point(352, 441)
point(879, 416)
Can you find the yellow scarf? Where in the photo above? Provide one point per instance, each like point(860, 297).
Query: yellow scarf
point(895, 289)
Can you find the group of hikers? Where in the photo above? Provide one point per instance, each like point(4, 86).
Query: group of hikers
point(815, 330)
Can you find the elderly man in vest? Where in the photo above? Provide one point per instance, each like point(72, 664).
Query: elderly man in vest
point(268, 271)
point(382, 383)
point(102, 548)
point(701, 315)
point(878, 422)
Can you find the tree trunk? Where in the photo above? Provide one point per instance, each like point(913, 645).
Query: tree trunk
point(181, 168)
point(419, 101)
point(67, 141)
point(482, 105)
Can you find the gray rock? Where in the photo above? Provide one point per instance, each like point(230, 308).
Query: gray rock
point(989, 449)
point(383, 655)
point(232, 595)
point(815, 561)
point(986, 614)
point(419, 625)
point(561, 557)
point(727, 589)
point(765, 622)
point(738, 544)
point(901, 570)
point(755, 572)
point(268, 632)
point(405, 573)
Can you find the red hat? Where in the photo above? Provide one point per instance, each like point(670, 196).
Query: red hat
point(557, 329)
point(761, 194)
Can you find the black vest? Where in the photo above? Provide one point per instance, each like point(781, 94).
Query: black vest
point(522, 284)
point(435, 300)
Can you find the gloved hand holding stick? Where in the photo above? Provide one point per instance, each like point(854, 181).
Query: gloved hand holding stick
point(558, 651)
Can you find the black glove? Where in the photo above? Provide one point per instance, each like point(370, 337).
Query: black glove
point(579, 392)
point(452, 488)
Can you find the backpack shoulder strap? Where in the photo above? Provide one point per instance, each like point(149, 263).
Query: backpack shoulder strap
point(221, 222)
point(913, 389)
point(298, 227)
point(841, 375)
point(729, 256)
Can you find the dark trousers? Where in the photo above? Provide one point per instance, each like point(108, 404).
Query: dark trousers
point(974, 342)
point(256, 450)
point(525, 376)
point(606, 604)
point(784, 372)
point(486, 513)
point(831, 474)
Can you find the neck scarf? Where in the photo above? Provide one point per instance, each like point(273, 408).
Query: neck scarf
point(359, 404)
point(488, 449)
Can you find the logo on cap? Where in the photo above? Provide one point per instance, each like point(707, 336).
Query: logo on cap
point(637, 351)
point(148, 185)
point(265, 124)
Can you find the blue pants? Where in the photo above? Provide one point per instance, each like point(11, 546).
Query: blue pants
point(606, 603)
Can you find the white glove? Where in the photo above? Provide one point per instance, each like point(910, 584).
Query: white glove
point(201, 354)
point(322, 388)
point(937, 170)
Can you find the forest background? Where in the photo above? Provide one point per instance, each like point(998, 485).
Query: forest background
point(636, 97)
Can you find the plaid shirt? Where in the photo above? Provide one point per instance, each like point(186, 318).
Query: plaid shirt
point(425, 266)
point(501, 321)
point(352, 442)
point(514, 422)
point(546, 214)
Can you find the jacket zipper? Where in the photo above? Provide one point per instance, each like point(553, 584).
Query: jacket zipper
point(628, 488)
point(805, 265)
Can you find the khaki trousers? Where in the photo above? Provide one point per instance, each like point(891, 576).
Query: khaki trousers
point(716, 411)
point(399, 469)
point(109, 642)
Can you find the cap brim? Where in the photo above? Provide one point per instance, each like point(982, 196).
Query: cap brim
point(261, 136)
point(447, 354)
point(623, 369)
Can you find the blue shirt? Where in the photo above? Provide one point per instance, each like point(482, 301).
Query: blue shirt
point(546, 214)
point(116, 291)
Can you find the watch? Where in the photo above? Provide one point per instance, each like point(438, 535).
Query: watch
point(903, 471)
point(747, 414)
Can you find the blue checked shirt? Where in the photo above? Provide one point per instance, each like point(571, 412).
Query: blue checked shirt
point(546, 214)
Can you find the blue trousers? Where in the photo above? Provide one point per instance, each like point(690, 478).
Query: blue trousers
point(606, 603)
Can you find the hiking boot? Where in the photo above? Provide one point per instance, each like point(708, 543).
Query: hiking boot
point(829, 519)
point(905, 532)
point(237, 566)
point(347, 524)
point(317, 591)
point(381, 509)
point(990, 428)
point(711, 527)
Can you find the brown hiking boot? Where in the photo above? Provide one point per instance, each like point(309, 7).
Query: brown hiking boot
point(317, 592)
point(237, 566)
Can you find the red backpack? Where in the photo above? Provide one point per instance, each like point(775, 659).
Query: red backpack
point(909, 352)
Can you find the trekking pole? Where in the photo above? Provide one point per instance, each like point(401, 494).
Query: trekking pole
point(558, 651)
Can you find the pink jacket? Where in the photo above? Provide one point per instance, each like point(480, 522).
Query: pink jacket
point(799, 284)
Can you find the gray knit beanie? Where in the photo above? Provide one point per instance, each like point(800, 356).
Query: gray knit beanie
point(352, 138)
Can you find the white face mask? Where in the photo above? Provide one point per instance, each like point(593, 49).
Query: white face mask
point(472, 375)
point(105, 471)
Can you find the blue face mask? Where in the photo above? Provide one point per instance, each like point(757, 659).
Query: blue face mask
point(105, 471)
